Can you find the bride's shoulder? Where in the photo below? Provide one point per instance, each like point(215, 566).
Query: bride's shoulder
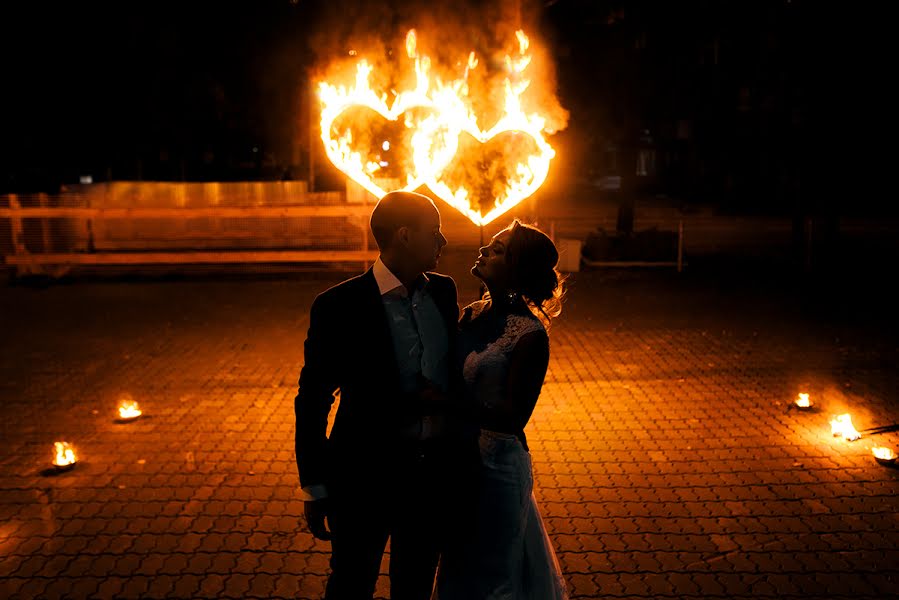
point(473, 310)
point(521, 324)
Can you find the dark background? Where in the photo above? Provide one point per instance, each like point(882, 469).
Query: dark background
point(714, 96)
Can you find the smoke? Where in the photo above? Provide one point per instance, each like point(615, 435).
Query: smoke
point(446, 33)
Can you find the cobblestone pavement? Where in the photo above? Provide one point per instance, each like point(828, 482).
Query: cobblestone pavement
point(667, 462)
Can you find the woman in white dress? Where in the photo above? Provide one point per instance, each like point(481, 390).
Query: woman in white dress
point(504, 552)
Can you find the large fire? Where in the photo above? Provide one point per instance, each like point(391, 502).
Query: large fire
point(482, 171)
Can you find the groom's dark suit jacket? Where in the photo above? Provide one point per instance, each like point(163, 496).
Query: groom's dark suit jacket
point(349, 347)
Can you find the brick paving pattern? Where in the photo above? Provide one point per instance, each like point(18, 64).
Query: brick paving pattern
point(668, 464)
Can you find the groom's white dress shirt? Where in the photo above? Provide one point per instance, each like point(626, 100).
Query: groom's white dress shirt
point(420, 343)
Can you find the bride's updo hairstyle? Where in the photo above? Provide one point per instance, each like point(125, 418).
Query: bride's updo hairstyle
point(531, 257)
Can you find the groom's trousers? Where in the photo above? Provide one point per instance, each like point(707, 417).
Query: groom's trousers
point(408, 501)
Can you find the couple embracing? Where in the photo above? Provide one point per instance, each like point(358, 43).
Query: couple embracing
point(427, 448)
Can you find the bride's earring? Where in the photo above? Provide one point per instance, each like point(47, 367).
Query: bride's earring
point(511, 297)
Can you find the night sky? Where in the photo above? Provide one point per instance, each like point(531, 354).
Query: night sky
point(219, 91)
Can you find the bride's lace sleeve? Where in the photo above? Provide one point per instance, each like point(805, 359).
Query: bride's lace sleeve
point(528, 363)
point(471, 312)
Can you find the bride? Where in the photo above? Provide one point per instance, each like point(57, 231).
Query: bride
point(504, 551)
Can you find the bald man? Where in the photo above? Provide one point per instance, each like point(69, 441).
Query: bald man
point(399, 461)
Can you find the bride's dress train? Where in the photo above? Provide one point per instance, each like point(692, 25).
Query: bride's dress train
point(501, 551)
point(506, 554)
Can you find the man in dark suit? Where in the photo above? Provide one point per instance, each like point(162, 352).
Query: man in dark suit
point(399, 459)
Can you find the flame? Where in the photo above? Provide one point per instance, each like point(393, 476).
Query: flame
point(437, 113)
point(335, 100)
point(527, 176)
point(129, 409)
point(842, 425)
point(64, 454)
point(882, 453)
point(411, 44)
point(803, 401)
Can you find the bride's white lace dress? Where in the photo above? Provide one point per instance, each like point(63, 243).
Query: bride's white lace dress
point(504, 553)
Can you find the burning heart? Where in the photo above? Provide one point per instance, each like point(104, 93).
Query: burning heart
point(362, 161)
point(436, 138)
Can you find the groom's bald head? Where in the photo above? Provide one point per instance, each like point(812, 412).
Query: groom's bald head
point(400, 209)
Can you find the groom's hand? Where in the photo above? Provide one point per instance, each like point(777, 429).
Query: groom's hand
point(316, 511)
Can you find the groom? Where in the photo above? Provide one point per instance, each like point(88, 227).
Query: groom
point(399, 455)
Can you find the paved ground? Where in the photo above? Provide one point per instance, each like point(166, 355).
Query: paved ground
point(667, 463)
